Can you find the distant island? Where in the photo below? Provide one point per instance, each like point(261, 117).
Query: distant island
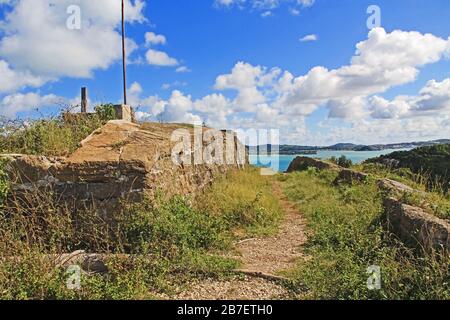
point(299, 150)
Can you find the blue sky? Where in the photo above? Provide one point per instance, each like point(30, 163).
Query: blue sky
point(396, 89)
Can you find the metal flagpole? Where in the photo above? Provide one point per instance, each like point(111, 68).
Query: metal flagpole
point(124, 62)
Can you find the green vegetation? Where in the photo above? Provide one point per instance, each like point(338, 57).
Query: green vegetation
point(172, 241)
point(342, 161)
point(432, 162)
point(347, 236)
point(52, 137)
point(158, 246)
point(436, 201)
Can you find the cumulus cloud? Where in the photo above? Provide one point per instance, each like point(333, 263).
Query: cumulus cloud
point(309, 38)
point(381, 62)
point(261, 97)
point(11, 80)
point(433, 98)
point(38, 41)
point(160, 58)
point(154, 39)
point(12, 104)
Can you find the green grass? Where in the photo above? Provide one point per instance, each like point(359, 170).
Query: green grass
point(347, 236)
point(431, 162)
point(185, 238)
point(435, 200)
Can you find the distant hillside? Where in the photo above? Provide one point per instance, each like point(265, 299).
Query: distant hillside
point(295, 149)
point(433, 160)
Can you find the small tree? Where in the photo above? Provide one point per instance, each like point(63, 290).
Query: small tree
point(344, 162)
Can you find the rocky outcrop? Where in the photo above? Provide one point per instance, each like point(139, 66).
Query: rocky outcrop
point(26, 169)
point(396, 189)
point(126, 161)
point(303, 163)
point(345, 175)
point(393, 187)
point(415, 226)
point(351, 176)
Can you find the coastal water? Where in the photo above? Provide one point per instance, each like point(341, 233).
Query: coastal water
point(281, 162)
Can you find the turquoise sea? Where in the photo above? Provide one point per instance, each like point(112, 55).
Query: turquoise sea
point(281, 162)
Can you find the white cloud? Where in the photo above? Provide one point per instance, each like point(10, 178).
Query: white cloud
point(160, 58)
point(37, 40)
point(294, 11)
point(309, 37)
point(433, 98)
point(267, 98)
point(275, 98)
point(381, 62)
point(183, 69)
point(155, 39)
point(167, 86)
point(11, 105)
point(245, 79)
point(11, 80)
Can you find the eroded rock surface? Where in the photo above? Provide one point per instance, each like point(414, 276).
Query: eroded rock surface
point(351, 176)
point(416, 226)
point(126, 161)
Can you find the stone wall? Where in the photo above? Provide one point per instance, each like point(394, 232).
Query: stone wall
point(120, 161)
point(415, 226)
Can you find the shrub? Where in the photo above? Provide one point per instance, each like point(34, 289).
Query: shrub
point(431, 162)
point(344, 162)
point(58, 136)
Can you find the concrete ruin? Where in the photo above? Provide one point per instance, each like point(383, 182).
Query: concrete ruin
point(123, 161)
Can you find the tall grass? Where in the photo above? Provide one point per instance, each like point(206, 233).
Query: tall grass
point(347, 236)
point(57, 136)
point(170, 240)
point(433, 199)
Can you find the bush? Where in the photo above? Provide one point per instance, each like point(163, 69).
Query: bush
point(106, 112)
point(344, 162)
point(52, 137)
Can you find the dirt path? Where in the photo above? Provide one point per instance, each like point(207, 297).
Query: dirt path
point(269, 255)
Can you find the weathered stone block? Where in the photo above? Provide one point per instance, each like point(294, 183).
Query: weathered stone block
point(120, 161)
point(351, 176)
point(124, 112)
point(415, 226)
